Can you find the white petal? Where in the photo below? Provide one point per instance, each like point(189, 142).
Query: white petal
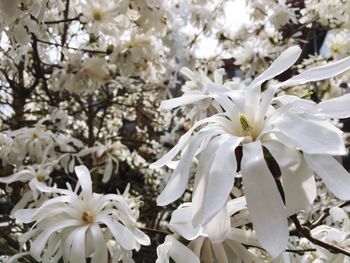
point(179, 178)
point(268, 213)
point(319, 73)
point(220, 253)
point(178, 252)
point(219, 227)
point(220, 178)
point(84, 178)
point(309, 136)
point(298, 180)
point(39, 243)
point(332, 173)
point(180, 101)
point(337, 108)
point(243, 236)
point(182, 143)
point(22, 176)
point(281, 64)
point(100, 250)
point(236, 205)
point(121, 233)
point(77, 253)
point(181, 222)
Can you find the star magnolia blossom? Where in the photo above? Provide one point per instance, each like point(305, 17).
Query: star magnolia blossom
point(296, 133)
point(219, 240)
point(78, 226)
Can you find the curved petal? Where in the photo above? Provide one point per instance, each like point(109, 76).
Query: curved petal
point(120, 232)
point(220, 178)
point(319, 73)
point(332, 173)
point(310, 137)
point(219, 227)
point(268, 213)
point(281, 64)
point(176, 250)
point(179, 178)
point(84, 178)
point(181, 222)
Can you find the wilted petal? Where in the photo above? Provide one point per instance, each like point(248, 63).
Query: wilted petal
point(268, 213)
point(332, 173)
point(310, 137)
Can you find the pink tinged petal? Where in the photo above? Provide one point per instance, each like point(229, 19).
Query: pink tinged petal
point(268, 213)
point(180, 253)
point(39, 243)
point(181, 222)
point(337, 108)
point(219, 227)
point(183, 100)
point(310, 137)
point(220, 178)
point(77, 253)
point(84, 178)
point(121, 233)
point(319, 73)
point(100, 250)
point(179, 179)
point(332, 173)
point(298, 180)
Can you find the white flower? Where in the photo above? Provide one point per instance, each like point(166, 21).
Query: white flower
point(78, 226)
point(251, 124)
point(217, 241)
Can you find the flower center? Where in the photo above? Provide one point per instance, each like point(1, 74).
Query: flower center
point(87, 217)
point(97, 15)
point(247, 129)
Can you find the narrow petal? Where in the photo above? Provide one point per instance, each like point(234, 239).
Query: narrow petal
point(268, 213)
point(332, 173)
point(309, 136)
point(121, 233)
point(281, 64)
point(180, 101)
point(179, 178)
point(84, 178)
point(337, 108)
point(220, 253)
point(77, 253)
point(220, 178)
point(100, 250)
point(315, 74)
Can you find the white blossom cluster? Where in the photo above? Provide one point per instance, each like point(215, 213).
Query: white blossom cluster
point(248, 136)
